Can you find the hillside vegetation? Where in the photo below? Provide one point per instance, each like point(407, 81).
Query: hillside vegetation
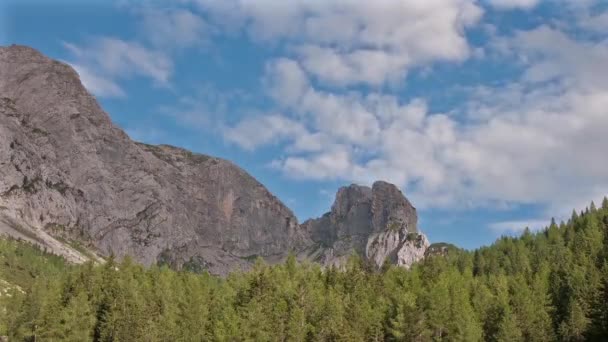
point(545, 286)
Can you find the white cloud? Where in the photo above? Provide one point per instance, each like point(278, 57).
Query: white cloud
point(598, 23)
point(511, 4)
point(329, 164)
point(349, 42)
point(163, 32)
point(256, 131)
point(536, 139)
point(540, 139)
point(171, 28)
point(364, 66)
point(286, 81)
point(122, 58)
point(518, 227)
point(550, 54)
point(208, 108)
point(96, 84)
point(560, 211)
point(104, 60)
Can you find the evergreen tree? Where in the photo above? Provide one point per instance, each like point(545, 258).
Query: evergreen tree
point(77, 320)
point(575, 326)
point(508, 329)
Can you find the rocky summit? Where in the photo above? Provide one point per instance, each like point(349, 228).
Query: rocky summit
point(378, 223)
point(73, 182)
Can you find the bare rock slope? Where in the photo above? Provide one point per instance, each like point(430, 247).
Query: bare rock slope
point(68, 174)
point(378, 223)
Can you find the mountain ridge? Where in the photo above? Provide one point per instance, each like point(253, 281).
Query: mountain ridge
point(69, 171)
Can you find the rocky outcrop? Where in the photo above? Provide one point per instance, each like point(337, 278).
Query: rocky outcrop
point(441, 249)
point(67, 173)
point(378, 223)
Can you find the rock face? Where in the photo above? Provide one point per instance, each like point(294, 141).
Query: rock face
point(65, 165)
point(378, 223)
point(67, 172)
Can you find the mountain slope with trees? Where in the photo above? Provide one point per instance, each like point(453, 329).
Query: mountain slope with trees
point(546, 286)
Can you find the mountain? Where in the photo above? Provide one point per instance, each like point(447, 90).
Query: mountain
point(550, 285)
point(73, 182)
point(378, 223)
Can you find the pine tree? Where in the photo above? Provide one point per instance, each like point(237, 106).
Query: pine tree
point(78, 320)
point(574, 216)
point(508, 329)
point(575, 326)
point(592, 208)
point(409, 322)
point(25, 324)
point(50, 321)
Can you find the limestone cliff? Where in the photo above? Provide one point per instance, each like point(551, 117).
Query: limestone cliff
point(378, 223)
point(68, 174)
point(66, 168)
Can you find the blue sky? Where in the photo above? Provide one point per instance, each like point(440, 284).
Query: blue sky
point(489, 115)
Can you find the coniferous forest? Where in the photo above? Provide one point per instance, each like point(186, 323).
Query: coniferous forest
point(546, 286)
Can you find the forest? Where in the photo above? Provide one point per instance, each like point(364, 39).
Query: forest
point(550, 285)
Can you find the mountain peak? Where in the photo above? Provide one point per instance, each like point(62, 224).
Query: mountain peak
point(22, 51)
point(376, 222)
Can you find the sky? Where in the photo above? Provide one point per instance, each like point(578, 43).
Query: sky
point(490, 116)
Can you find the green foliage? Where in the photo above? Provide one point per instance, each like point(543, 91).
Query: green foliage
point(394, 226)
point(545, 286)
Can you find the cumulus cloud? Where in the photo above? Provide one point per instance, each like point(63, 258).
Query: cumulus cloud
point(122, 59)
point(550, 54)
point(172, 28)
point(260, 130)
point(597, 23)
point(103, 61)
point(286, 81)
point(97, 84)
point(349, 42)
point(538, 139)
point(329, 164)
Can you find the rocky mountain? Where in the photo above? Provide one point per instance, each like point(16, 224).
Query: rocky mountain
point(378, 223)
point(74, 182)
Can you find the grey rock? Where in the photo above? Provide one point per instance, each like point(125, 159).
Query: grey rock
point(378, 223)
point(67, 172)
point(412, 250)
point(63, 163)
